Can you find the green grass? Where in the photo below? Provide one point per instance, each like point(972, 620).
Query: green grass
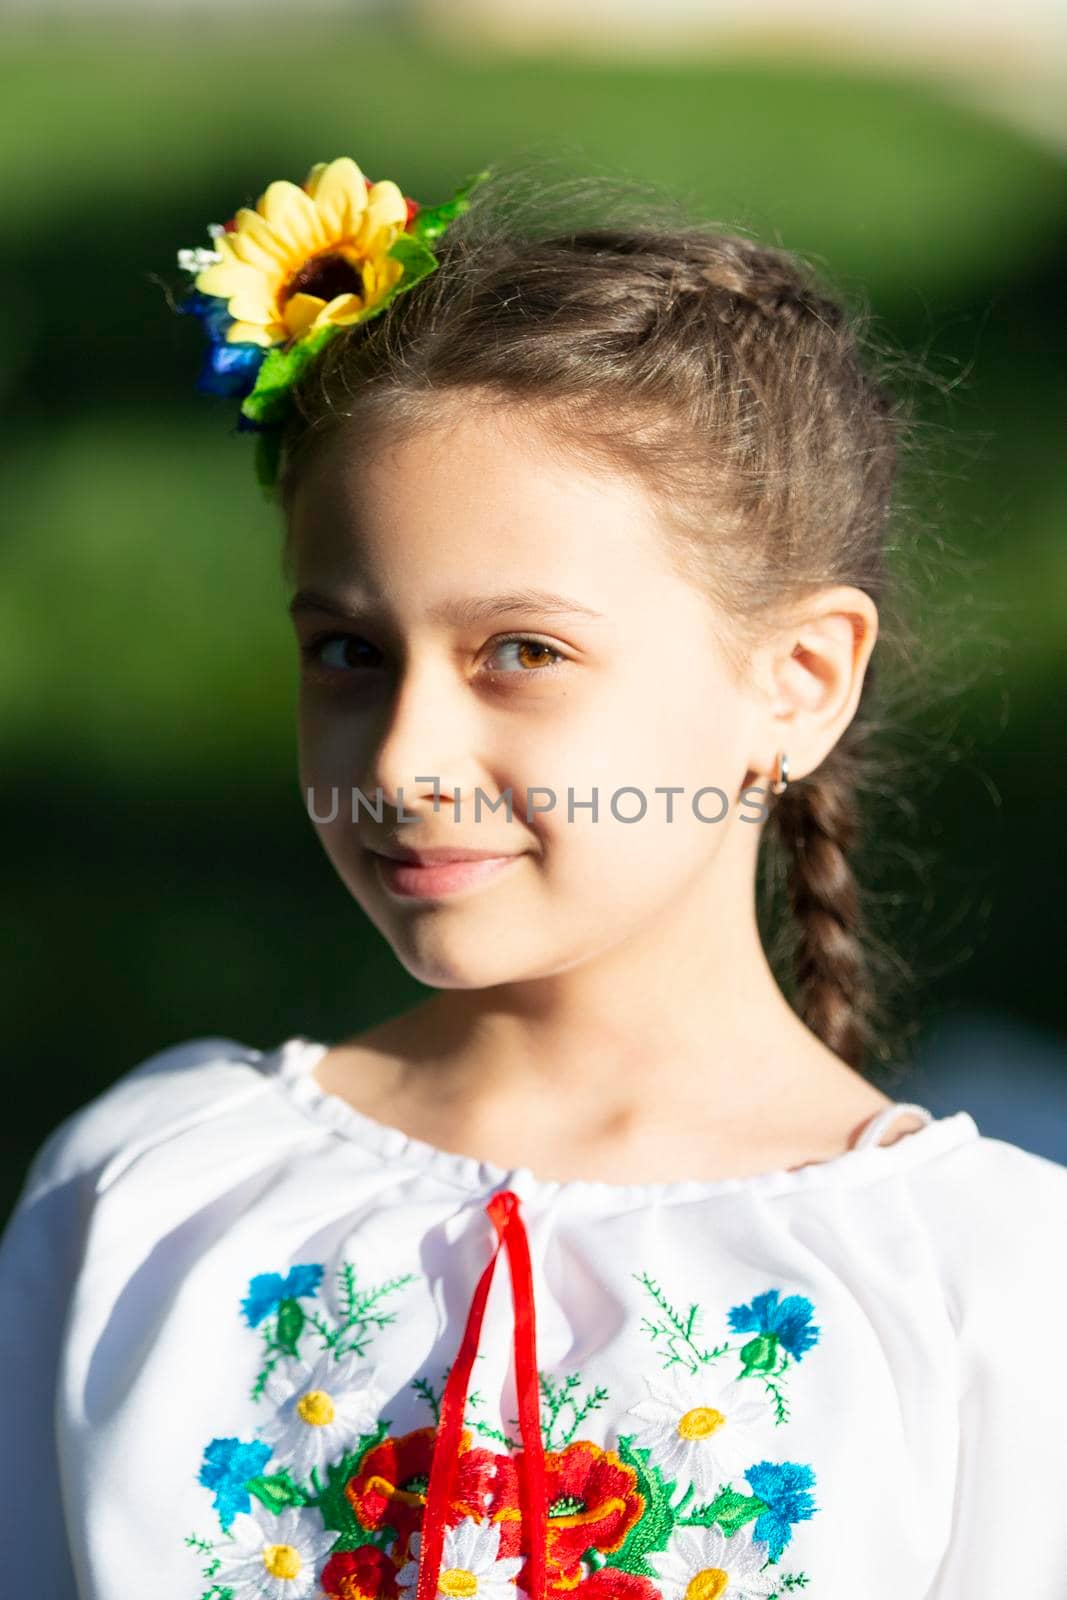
point(886, 180)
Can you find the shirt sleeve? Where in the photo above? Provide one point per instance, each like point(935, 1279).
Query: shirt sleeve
point(41, 1251)
point(1004, 1250)
point(39, 1254)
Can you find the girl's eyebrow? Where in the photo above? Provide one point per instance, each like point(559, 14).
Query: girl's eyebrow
point(464, 612)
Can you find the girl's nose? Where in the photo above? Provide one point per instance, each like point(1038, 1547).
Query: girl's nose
point(418, 745)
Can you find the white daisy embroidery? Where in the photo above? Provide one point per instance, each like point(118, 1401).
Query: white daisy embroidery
point(696, 1429)
point(273, 1557)
point(470, 1565)
point(704, 1562)
point(322, 1409)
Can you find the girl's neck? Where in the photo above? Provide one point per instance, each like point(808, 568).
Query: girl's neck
point(649, 1095)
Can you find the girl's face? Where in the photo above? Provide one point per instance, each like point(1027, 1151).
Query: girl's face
point(475, 611)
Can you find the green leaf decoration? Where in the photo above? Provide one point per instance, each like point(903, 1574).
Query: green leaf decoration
point(431, 223)
point(277, 1491)
point(336, 1509)
point(653, 1528)
point(417, 258)
point(730, 1510)
point(761, 1353)
point(268, 455)
point(279, 370)
point(290, 1323)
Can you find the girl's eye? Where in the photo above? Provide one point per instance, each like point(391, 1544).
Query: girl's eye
point(534, 654)
point(348, 652)
point(344, 646)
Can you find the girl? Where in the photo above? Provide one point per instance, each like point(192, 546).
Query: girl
point(586, 531)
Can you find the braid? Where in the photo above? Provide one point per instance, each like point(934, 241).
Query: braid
point(817, 822)
point(748, 284)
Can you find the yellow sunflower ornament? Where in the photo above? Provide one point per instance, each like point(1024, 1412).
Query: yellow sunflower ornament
point(278, 282)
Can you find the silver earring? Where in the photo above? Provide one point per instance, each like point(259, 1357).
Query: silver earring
point(780, 782)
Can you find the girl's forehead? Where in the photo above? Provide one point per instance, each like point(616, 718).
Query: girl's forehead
point(485, 463)
point(489, 505)
point(458, 581)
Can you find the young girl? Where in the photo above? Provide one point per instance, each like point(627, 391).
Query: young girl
point(586, 533)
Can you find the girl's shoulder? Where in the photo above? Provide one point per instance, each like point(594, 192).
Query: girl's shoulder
point(182, 1084)
point(984, 1187)
point(994, 1216)
point(993, 1178)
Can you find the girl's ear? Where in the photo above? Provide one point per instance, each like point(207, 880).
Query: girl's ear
point(814, 671)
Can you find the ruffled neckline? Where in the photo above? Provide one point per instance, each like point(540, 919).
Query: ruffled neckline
point(291, 1067)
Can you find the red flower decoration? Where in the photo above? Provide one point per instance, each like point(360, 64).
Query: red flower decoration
point(593, 1502)
point(608, 1584)
point(363, 1574)
point(390, 1487)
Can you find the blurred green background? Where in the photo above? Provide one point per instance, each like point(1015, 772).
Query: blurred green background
point(163, 880)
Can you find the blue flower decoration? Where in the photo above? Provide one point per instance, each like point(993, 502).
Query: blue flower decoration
point(228, 369)
point(227, 1467)
point(790, 1322)
point(267, 1290)
point(783, 1486)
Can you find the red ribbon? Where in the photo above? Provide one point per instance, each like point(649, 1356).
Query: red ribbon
point(503, 1209)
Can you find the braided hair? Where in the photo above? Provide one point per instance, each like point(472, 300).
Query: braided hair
point(729, 378)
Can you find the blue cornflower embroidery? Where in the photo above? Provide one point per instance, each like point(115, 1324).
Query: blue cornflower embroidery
point(783, 1486)
point(267, 1290)
point(787, 1324)
point(228, 1465)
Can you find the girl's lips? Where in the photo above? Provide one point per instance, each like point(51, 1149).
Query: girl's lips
point(443, 877)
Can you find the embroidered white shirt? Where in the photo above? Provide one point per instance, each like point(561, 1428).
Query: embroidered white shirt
point(229, 1302)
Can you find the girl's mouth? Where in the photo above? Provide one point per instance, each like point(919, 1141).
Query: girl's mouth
point(409, 881)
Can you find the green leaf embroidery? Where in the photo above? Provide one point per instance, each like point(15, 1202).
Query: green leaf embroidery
point(334, 1505)
point(423, 1387)
point(283, 1333)
point(678, 1332)
point(653, 1528)
point(204, 1546)
point(729, 1509)
point(290, 1323)
point(276, 1490)
point(558, 1399)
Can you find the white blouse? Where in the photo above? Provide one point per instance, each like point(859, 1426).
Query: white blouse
point(229, 1304)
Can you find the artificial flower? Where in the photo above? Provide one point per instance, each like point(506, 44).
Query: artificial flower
point(307, 255)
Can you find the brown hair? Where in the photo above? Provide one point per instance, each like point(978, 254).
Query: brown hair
point(744, 393)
